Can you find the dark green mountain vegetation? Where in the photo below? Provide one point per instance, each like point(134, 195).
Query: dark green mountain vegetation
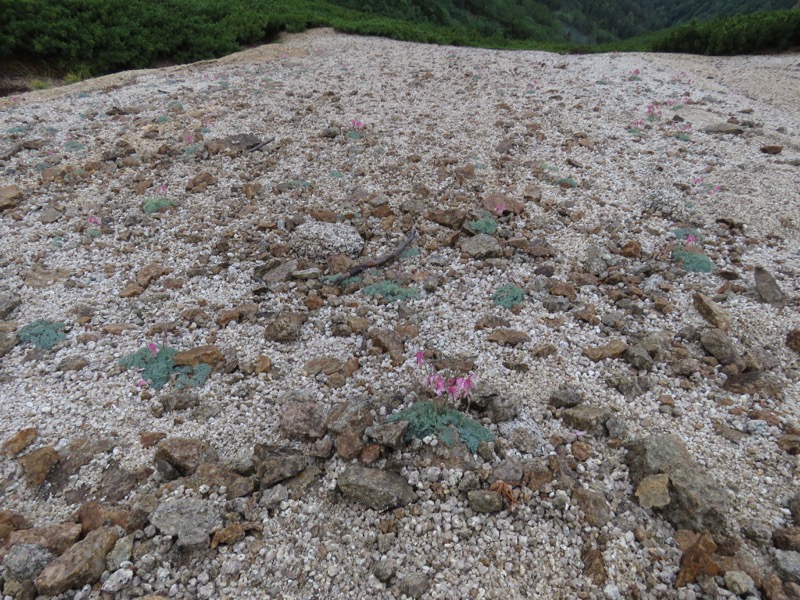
point(92, 37)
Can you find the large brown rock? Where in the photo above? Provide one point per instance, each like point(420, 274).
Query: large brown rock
point(697, 560)
point(19, 441)
point(594, 506)
point(215, 476)
point(11, 521)
point(614, 349)
point(711, 311)
point(696, 501)
point(391, 342)
point(38, 464)
point(10, 195)
point(509, 337)
point(179, 457)
point(210, 355)
point(376, 488)
point(82, 563)
point(273, 464)
point(56, 538)
point(720, 346)
point(302, 419)
point(754, 382)
point(767, 288)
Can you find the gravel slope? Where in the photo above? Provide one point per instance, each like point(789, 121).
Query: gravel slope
point(589, 153)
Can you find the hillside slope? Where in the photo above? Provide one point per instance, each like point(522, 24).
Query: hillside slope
point(607, 243)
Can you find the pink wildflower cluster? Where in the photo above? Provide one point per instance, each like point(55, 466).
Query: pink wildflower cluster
point(454, 387)
point(356, 124)
point(653, 112)
point(698, 187)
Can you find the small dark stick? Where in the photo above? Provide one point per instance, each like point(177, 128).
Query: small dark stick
point(376, 262)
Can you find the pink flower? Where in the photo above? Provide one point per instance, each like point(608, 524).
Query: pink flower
point(690, 239)
point(439, 385)
point(187, 138)
point(420, 358)
point(153, 348)
point(697, 181)
point(162, 189)
point(141, 383)
point(93, 220)
point(500, 208)
point(469, 383)
point(356, 124)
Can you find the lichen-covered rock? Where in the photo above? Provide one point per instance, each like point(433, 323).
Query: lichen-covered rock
point(191, 519)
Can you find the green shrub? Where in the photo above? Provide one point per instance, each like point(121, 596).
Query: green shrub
point(692, 260)
point(427, 418)
point(485, 225)
point(391, 291)
point(158, 367)
point(508, 296)
point(42, 333)
point(156, 204)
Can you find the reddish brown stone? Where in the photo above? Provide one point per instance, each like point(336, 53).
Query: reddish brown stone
point(581, 450)
point(509, 337)
point(10, 196)
point(210, 355)
point(773, 588)
point(696, 560)
point(91, 515)
point(19, 441)
point(37, 465)
point(390, 342)
point(614, 349)
point(370, 454)
point(82, 563)
point(632, 249)
point(149, 273)
point(56, 538)
point(565, 290)
point(227, 535)
point(184, 455)
point(449, 217)
point(131, 290)
point(594, 566)
point(148, 439)
point(793, 340)
point(200, 182)
point(10, 522)
point(263, 364)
